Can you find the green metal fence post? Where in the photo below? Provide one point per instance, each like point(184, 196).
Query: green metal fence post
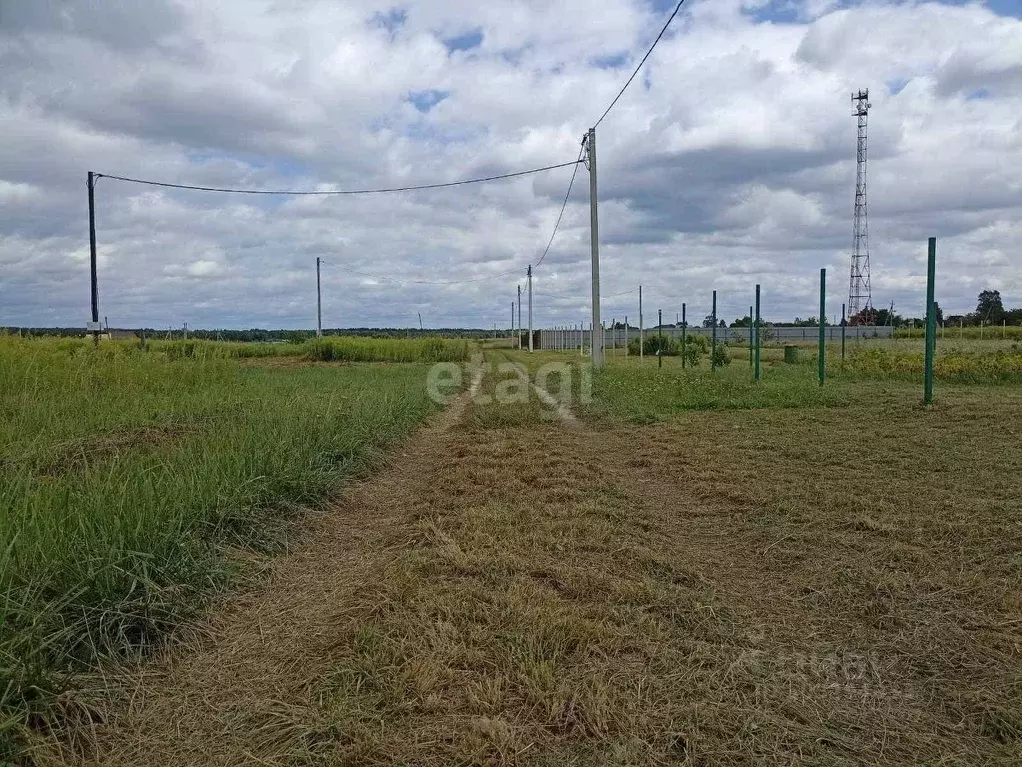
point(751, 323)
point(684, 325)
point(931, 321)
point(757, 324)
point(844, 323)
point(660, 338)
point(822, 361)
point(713, 350)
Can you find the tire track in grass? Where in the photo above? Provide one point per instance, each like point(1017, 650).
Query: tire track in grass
point(561, 408)
point(241, 687)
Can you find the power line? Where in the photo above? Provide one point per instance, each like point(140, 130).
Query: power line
point(629, 80)
point(622, 293)
point(563, 206)
point(293, 192)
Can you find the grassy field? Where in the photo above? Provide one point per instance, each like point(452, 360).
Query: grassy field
point(327, 349)
point(976, 361)
point(740, 582)
point(988, 332)
point(125, 477)
point(730, 578)
point(695, 570)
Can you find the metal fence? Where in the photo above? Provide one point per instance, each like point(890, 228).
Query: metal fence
point(568, 338)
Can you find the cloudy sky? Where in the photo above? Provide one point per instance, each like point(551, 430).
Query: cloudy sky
point(730, 160)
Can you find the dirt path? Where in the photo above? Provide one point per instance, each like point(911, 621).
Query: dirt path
point(242, 690)
point(546, 594)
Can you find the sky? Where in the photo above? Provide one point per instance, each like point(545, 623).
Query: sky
point(730, 161)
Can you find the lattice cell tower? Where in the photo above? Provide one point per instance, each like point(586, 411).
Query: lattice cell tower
point(860, 298)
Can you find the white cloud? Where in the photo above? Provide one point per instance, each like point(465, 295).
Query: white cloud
point(730, 161)
point(202, 268)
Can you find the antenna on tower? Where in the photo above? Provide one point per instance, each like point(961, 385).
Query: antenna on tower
point(860, 296)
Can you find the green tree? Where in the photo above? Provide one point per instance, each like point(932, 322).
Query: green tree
point(989, 307)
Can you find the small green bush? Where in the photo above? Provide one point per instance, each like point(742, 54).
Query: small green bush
point(721, 356)
point(695, 347)
point(693, 351)
point(701, 343)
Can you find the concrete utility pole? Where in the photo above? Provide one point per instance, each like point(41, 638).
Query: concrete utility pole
point(519, 316)
point(626, 335)
point(319, 303)
point(530, 306)
point(512, 318)
point(92, 258)
point(594, 241)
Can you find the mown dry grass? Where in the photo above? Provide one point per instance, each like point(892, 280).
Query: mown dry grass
point(818, 586)
point(724, 589)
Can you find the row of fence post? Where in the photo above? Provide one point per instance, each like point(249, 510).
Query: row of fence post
point(563, 334)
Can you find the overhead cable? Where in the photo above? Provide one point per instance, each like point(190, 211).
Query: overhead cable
point(563, 206)
point(629, 80)
point(327, 192)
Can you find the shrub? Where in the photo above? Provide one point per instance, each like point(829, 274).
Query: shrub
point(701, 343)
point(693, 351)
point(695, 347)
point(652, 343)
point(721, 356)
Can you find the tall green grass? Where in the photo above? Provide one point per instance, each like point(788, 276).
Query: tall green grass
point(331, 348)
point(351, 349)
point(988, 332)
point(643, 392)
point(124, 475)
point(953, 362)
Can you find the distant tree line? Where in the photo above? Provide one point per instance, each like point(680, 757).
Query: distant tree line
point(268, 336)
point(989, 311)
